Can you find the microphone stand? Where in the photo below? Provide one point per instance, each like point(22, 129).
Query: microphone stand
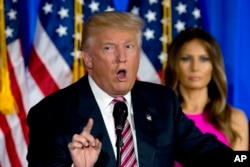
point(120, 114)
point(119, 144)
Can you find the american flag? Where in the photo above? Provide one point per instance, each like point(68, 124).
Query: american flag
point(13, 129)
point(49, 65)
point(52, 52)
point(151, 12)
point(185, 14)
point(48, 69)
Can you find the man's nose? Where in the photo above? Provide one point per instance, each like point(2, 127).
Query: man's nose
point(121, 56)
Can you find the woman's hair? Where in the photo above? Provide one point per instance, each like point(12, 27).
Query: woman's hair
point(110, 19)
point(217, 110)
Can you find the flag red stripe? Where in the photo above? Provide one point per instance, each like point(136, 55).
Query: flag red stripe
point(41, 74)
point(10, 146)
point(18, 98)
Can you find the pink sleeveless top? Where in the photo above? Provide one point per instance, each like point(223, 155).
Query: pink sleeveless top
point(205, 127)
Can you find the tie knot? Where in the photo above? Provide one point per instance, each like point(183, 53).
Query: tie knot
point(118, 99)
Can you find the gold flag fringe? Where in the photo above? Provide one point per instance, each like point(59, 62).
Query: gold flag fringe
point(167, 33)
point(78, 65)
point(7, 101)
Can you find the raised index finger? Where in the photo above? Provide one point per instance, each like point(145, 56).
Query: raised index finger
point(89, 126)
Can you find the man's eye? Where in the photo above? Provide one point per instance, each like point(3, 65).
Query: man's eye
point(108, 48)
point(129, 46)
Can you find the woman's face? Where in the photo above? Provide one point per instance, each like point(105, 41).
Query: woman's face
point(194, 66)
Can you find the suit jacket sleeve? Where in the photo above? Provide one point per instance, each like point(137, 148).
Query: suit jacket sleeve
point(169, 135)
point(55, 119)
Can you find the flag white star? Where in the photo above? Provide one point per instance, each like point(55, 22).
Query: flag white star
point(47, 8)
point(135, 10)
point(196, 13)
point(180, 26)
point(153, 1)
point(151, 16)
point(165, 21)
point(109, 8)
point(77, 54)
point(12, 14)
point(79, 18)
point(61, 30)
point(94, 6)
point(78, 36)
point(149, 34)
point(162, 57)
point(63, 12)
point(9, 32)
point(164, 39)
point(181, 8)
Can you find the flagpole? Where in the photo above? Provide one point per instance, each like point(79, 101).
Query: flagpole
point(78, 67)
point(167, 33)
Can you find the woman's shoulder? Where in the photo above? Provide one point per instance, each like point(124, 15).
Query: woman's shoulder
point(238, 114)
point(239, 118)
point(240, 124)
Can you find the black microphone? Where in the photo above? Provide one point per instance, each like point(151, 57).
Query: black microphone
point(120, 114)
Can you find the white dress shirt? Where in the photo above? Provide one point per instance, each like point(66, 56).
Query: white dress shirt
point(105, 104)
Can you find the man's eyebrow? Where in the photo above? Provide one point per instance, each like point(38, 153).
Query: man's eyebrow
point(131, 40)
point(108, 43)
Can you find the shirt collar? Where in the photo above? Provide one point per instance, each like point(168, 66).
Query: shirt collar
point(102, 98)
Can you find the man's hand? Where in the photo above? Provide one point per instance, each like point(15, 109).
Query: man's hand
point(84, 148)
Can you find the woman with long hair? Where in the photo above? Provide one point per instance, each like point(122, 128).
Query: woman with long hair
point(195, 70)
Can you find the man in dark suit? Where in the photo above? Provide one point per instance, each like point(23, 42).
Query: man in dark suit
point(74, 126)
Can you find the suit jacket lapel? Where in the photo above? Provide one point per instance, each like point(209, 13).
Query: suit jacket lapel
point(145, 133)
point(88, 108)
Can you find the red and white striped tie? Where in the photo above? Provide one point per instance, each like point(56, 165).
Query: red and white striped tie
point(128, 158)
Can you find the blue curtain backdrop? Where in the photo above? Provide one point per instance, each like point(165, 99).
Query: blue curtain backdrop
point(227, 21)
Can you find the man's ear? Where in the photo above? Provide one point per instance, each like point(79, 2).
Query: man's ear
point(87, 59)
